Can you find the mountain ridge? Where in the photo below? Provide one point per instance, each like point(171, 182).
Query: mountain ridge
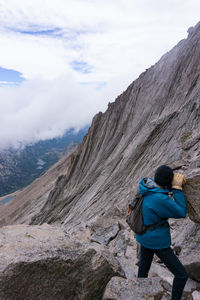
point(111, 153)
point(84, 197)
point(158, 96)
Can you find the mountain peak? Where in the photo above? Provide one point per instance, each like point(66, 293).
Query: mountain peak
point(149, 124)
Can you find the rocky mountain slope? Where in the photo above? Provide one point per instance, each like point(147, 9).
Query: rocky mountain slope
point(30, 200)
point(155, 121)
point(19, 167)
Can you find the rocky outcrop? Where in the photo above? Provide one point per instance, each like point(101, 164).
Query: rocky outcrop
point(192, 191)
point(42, 262)
point(196, 295)
point(105, 235)
point(185, 236)
point(137, 289)
point(187, 239)
point(30, 200)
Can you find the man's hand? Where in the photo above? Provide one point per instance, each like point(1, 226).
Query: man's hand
point(178, 181)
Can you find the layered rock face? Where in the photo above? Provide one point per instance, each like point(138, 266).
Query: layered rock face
point(155, 121)
point(30, 200)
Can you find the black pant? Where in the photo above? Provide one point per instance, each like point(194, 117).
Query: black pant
point(171, 261)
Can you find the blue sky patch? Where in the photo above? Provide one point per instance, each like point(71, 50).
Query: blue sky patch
point(55, 32)
point(37, 30)
point(10, 76)
point(98, 85)
point(81, 66)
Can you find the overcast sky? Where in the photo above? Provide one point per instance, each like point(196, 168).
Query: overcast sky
point(62, 61)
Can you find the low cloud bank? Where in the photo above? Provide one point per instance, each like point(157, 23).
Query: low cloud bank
point(38, 109)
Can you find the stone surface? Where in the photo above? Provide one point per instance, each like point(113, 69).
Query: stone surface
point(137, 289)
point(185, 238)
point(105, 235)
point(193, 268)
point(163, 273)
point(186, 235)
point(42, 262)
point(29, 201)
point(192, 193)
point(196, 295)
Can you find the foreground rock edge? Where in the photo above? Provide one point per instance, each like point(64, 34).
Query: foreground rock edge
point(139, 288)
point(42, 262)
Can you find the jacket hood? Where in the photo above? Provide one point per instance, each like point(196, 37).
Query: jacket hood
point(148, 185)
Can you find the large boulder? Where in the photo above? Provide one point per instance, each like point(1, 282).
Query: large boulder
point(190, 165)
point(103, 235)
point(42, 262)
point(196, 295)
point(137, 289)
point(192, 191)
point(186, 237)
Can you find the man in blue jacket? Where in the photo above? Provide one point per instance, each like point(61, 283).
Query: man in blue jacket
point(163, 199)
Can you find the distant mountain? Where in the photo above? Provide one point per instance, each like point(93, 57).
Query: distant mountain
point(19, 168)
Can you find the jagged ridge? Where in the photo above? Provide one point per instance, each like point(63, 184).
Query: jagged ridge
point(149, 124)
point(143, 128)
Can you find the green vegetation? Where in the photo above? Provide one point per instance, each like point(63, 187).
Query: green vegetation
point(186, 136)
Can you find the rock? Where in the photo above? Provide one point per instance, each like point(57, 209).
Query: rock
point(105, 235)
point(168, 277)
point(190, 30)
point(124, 248)
point(118, 245)
point(192, 191)
point(177, 250)
point(137, 289)
point(128, 265)
point(187, 236)
point(184, 297)
point(196, 295)
point(166, 297)
point(129, 260)
point(193, 268)
point(42, 262)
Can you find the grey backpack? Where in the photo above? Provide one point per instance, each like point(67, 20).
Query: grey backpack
point(134, 216)
point(135, 220)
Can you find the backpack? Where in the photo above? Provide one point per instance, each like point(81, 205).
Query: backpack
point(135, 220)
point(134, 216)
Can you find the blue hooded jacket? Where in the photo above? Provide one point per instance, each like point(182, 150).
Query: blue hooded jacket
point(159, 206)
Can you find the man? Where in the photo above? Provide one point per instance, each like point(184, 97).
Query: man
point(163, 199)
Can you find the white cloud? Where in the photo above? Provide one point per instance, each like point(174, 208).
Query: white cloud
point(41, 109)
point(116, 39)
point(35, 57)
point(98, 32)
